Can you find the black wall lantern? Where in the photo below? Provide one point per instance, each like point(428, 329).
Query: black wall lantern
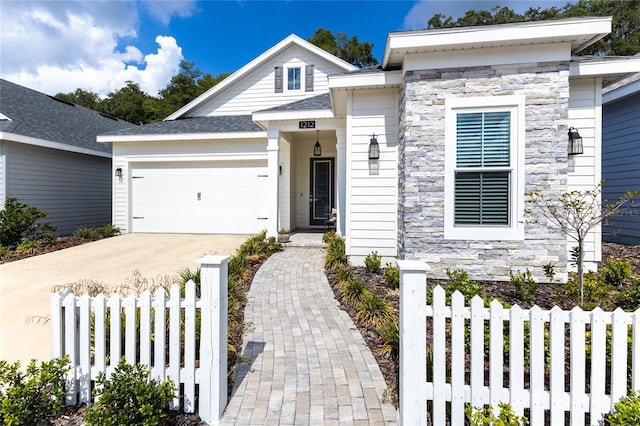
point(575, 142)
point(119, 172)
point(317, 149)
point(374, 148)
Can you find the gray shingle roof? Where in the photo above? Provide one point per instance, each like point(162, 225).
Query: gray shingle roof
point(217, 124)
point(315, 103)
point(37, 115)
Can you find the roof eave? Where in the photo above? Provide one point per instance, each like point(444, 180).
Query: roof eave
point(180, 137)
point(615, 70)
point(15, 137)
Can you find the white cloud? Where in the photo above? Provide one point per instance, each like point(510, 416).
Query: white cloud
point(60, 46)
point(165, 10)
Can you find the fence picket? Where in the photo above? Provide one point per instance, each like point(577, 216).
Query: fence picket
point(115, 318)
point(635, 337)
point(598, 398)
point(174, 341)
point(457, 358)
point(439, 360)
point(516, 360)
point(536, 366)
point(144, 303)
point(577, 374)
point(619, 345)
point(477, 352)
point(159, 304)
point(84, 356)
point(557, 368)
point(130, 335)
point(70, 324)
point(496, 357)
point(188, 377)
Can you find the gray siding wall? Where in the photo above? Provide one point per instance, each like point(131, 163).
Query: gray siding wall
point(422, 166)
point(74, 188)
point(621, 166)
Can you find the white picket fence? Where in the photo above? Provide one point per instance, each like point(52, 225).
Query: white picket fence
point(536, 374)
point(137, 329)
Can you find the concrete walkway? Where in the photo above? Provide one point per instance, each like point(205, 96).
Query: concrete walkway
point(309, 364)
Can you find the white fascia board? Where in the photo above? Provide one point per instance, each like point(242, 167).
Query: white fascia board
point(291, 115)
point(621, 92)
point(13, 137)
point(492, 35)
point(181, 137)
point(628, 65)
point(4, 117)
point(246, 69)
point(377, 79)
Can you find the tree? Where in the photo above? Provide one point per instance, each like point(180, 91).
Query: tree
point(623, 40)
point(576, 213)
point(81, 97)
point(348, 49)
point(127, 104)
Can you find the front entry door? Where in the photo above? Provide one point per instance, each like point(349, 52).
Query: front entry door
point(321, 194)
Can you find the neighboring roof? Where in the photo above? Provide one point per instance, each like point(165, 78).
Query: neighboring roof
point(36, 117)
point(623, 88)
point(239, 74)
point(315, 103)
point(216, 124)
point(580, 32)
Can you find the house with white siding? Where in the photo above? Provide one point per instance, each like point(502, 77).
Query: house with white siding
point(427, 156)
point(621, 157)
point(49, 157)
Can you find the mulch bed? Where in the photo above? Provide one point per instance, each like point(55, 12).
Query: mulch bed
point(548, 296)
point(61, 244)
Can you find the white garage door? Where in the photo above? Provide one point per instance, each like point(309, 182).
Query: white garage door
point(199, 197)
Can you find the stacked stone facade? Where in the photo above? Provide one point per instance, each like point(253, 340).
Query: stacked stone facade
point(422, 166)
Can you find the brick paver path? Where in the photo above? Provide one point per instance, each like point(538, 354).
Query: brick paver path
point(310, 364)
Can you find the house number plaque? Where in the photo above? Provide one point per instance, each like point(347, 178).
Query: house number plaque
point(306, 124)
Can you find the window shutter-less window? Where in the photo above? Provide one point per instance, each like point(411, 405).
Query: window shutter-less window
point(308, 78)
point(278, 82)
point(483, 172)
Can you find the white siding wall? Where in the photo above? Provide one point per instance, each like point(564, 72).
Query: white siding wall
point(255, 91)
point(372, 186)
point(3, 174)
point(75, 189)
point(284, 186)
point(585, 114)
point(126, 154)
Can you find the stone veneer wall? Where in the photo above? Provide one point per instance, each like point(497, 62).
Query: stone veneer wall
point(421, 168)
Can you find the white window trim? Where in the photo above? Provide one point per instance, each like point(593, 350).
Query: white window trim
point(516, 105)
point(286, 79)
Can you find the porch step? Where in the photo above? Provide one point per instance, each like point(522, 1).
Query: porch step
point(305, 239)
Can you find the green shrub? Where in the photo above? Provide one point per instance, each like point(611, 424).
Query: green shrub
point(129, 397)
point(392, 276)
point(336, 255)
point(85, 233)
point(615, 272)
point(625, 412)
point(26, 398)
point(372, 262)
point(390, 339)
point(525, 285)
point(629, 300)
point(5, 253)
point(29, 247)
point(18, 221)
point(374, 310)
point(352, 291)
point(329, 236)
point(485, 416)
point(459, 280)
point(344, 275)
point(596, 292)
point(107, 231)
point(549, 271)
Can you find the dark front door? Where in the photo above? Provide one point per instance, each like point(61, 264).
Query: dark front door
point(321, 198)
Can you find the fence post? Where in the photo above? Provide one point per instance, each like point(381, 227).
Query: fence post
point(213, 338)
point(413, 337)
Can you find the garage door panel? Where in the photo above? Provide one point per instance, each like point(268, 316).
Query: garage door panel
point(216, 197)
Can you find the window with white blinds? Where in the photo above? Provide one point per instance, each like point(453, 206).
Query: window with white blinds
point(483, 168)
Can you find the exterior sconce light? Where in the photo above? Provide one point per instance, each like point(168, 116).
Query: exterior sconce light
point(119, 172)
point(317, 149)
point(374, 148)
point(575, 142)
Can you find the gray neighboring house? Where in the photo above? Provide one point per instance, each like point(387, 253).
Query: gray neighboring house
point(49, 157)
point(621, 157)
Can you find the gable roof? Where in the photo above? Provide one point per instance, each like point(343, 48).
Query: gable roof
point(36, 118)
point(216, 124)
point(322, 101)
point(270, 53)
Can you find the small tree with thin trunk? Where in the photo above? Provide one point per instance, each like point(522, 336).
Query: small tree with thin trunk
point(575, 213)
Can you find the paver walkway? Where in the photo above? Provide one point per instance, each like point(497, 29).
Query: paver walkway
point(310, 365)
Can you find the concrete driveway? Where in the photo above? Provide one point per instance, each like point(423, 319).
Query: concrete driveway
point(25, 285)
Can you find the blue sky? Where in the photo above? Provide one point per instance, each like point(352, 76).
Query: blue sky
point(57, 46)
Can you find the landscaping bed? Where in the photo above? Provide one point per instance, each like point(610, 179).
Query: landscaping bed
point(547, 296)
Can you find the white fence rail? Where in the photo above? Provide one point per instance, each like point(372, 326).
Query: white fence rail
point(553, 365)
point(157, 330)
